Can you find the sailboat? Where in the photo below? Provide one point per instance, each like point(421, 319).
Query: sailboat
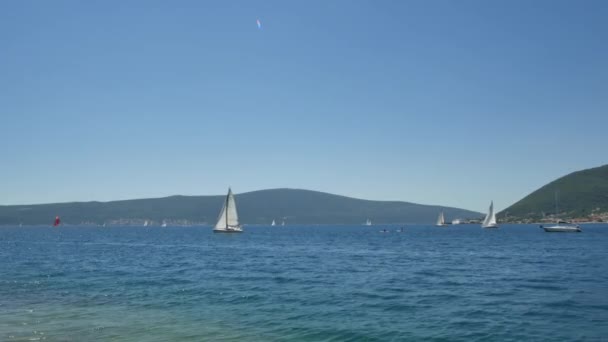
point(228, 221)
point(368, 222)
point(441, 220)
point(164, 224)
point(273, 223)
point(145, 223)
point(57, 221)
point(490, 220)
point(283, 223)
point(561, 228)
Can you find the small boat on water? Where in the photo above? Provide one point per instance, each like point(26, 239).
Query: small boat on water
point(368, 222)
point(145, 223)
point(57, 221)
point(228, 221)
point(560, 227)
point(273, 223)
point(164, 224)
point(455, 221)
point(441, 220)
point(490, 220)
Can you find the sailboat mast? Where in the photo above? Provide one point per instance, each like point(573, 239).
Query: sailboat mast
point(227, 198)
point(556, 207)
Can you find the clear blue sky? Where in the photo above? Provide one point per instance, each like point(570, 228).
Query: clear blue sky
point(441, 102)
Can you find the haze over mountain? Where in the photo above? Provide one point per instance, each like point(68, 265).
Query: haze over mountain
point(579, 194)
point(258, 207)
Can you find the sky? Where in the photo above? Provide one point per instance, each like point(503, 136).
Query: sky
point(451, 103)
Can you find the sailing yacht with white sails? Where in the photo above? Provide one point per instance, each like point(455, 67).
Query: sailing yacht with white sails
point(368, 222)
point(228, 221)
point(273, 223)
point(441, 220)
point(490, 220)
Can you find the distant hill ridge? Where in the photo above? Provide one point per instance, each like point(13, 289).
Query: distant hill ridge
point(580, 194)
point(294, 206)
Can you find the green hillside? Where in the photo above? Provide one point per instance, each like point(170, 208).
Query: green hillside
point(257, 207)
point(580, 194)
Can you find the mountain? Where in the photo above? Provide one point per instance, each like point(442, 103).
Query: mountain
point(580, 194)
point(258, 207)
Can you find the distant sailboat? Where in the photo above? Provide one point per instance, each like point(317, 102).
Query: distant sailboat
point(164, 224)
point(283, 223)
point(561, 228)
point(441, 220)
point(368, 222)
point(455, 221)
point(57, 221)
point(490, 220)
point(273, 223)
point(228, 221)
point(145, 223)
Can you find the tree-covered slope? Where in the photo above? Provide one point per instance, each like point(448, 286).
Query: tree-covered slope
point(579, 194)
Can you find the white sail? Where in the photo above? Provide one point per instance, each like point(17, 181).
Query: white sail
point(273, 223)
point(490, 219)
point(368, 222)
point(440, 219)
point(229, 218)
point(221, 220)
point(232, 216)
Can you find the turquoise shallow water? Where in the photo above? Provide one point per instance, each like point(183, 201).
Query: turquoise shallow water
point(319, 283)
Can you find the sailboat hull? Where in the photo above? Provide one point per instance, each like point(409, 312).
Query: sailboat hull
point(227, 231)
point(490, 226)
point(562, 229)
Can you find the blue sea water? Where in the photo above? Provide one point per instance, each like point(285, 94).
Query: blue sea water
point(315, 283)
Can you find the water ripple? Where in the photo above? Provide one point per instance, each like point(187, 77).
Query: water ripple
point(303, 284)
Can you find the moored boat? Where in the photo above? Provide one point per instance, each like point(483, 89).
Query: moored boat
point(561, 228)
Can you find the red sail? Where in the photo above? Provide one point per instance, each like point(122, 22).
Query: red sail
point(57, 221)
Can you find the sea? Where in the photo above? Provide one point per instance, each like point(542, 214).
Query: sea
point(303, 283)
